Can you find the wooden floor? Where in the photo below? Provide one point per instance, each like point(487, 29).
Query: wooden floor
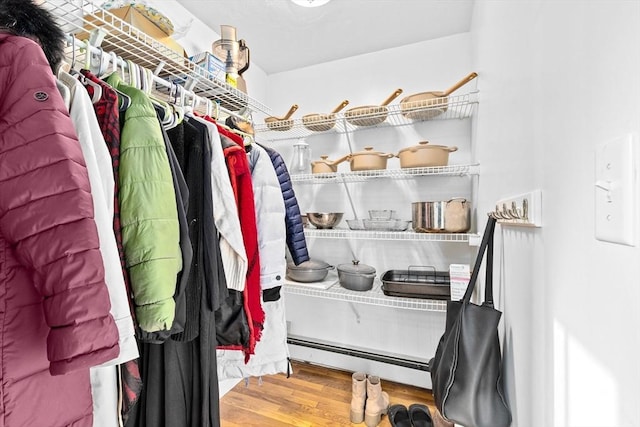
point(312, 397)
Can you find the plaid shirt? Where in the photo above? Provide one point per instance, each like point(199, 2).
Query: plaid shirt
point(109, 120)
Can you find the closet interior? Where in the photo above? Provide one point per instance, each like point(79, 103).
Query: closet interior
point(350, 325)
point(188, 83)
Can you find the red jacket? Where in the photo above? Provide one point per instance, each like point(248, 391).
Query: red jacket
point(54, 305)
point(240, 175)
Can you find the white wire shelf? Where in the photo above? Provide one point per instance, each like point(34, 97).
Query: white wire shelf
point(407, 173)
point(86, 20)
point(375, 296)
point(453, 107)
point(343, 233)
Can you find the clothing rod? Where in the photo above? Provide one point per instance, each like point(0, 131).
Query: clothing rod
point(74, 42)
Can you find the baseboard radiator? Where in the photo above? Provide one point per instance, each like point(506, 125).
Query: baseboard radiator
point(364, 354)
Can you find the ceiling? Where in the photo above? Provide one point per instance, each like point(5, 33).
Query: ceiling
point(282, 36)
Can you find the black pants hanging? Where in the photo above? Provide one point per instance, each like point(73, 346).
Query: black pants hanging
point(180, 381)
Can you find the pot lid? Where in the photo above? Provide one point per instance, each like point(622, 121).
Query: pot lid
point(369, 150)
point(301, 143)
point(310, 265)
point(356, 268)
point(425, 145)
point(325, 159)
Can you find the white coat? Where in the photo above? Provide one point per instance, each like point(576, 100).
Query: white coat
point(271, 352)
point(104, 384)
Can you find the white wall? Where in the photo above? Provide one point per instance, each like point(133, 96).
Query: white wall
point(370, 78)
point(559, 78)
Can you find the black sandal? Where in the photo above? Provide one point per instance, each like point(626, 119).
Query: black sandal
point(420, 415)
point(399, 416)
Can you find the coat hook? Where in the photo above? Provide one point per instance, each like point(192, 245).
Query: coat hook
point(514, 212)
point(496, 213)
point(525, 209)
point(504, 212)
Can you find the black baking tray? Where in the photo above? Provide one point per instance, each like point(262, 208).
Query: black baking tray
point(419, 282)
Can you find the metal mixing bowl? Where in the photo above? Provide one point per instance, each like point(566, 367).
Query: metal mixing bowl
point(324, 219)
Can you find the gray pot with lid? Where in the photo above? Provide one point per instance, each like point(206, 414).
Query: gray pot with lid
point(356, 276)
point(308, 271)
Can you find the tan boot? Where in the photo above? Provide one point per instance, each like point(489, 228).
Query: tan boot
point(358, 396)
point(439, 421)
point(377, 402)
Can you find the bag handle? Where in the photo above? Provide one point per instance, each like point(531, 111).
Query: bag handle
point(487, 242)
point(488, 285)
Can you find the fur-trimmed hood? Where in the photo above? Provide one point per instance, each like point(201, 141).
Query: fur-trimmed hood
point(25, 18)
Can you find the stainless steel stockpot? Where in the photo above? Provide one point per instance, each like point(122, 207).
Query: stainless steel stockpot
point(448, 216)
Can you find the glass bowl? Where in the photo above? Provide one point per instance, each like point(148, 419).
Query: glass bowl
point(378, 214)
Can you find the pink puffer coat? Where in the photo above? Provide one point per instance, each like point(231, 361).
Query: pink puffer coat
point(54, 305)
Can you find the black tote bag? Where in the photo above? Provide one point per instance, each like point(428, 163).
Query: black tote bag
point(466, 372)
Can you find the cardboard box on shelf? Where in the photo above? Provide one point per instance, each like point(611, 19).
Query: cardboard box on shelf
point(133, 17)
point(212, 66)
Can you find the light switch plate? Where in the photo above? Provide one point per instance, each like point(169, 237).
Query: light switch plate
point(615, 191)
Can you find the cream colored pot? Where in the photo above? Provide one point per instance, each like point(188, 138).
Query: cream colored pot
point(324, 165)
point(369, 160)
point(425, 155)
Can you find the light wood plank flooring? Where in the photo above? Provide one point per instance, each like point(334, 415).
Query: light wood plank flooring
point(313, 396)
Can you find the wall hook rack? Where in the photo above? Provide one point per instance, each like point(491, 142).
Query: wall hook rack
point(522, 210)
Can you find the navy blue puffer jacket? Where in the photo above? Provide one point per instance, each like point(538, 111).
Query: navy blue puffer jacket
point(295, 233)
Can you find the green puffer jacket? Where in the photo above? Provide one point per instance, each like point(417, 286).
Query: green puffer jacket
point(148, 213)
